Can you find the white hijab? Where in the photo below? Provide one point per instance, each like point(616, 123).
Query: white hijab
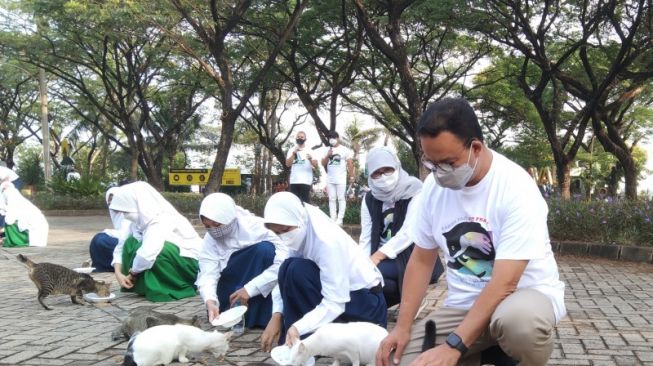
point(116, 217)
point(285, 208)
point(218, 207)
point(143, 199)
point(406, 187)
point(20, 211)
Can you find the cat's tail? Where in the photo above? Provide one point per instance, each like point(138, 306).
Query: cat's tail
point(429, 335)
point(25, 260)
point(129, 356)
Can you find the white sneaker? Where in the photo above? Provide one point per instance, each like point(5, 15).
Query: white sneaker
point(339, 222)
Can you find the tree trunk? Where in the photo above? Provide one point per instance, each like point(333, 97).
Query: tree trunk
point(224, 145)
point(563, 174)
point(133, 164)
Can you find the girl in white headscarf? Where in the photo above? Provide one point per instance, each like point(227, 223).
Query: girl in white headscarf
point(24, 224)
point(326, 278)
point(104, 243)
point(162, 265)
point(386, 213)
point(239, 261)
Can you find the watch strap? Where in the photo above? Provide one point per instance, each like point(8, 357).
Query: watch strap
point(454, 341)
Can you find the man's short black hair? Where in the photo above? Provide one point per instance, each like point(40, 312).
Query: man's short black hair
point(333, 134)
point(453, 115)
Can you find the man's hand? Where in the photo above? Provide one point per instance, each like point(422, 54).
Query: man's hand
point(212, 310)
point(241, 295)
point(292, 336)
point(124, 281)
point(271, 333)
point(377, 257)
point(442, 355)
point(395, 341)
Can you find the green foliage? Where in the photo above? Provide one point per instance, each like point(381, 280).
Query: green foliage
point(83, 187)
point(406, 158)
point(47, 201)
point(29, 167)
point(602, 222)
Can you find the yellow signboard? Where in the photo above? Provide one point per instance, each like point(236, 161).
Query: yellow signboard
point(188, 177)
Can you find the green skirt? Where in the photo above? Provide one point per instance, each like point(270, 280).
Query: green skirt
point(172, 277)
point(15, 237)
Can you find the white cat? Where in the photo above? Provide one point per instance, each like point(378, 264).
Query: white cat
point(162, 344)
point(346, 342)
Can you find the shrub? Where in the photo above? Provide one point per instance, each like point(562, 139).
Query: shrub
point(84, 187)
point(602, 222)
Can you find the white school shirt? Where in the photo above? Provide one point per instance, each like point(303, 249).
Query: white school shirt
point(337, 165)
point(502, 217)
point(215, 255)
point(301, 171)
point(343, 268)
point(159, 230)
point(8, 174)
point(399, 241)
point(122, 230)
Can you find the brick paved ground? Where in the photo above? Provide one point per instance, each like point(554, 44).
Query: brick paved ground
point(610, 311)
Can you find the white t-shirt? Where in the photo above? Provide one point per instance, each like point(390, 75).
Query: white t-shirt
point(301, 171)
point(337, 165)
point(502, 217)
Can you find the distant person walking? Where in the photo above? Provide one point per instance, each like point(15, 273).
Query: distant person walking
point(338, 162)
point(301, 164)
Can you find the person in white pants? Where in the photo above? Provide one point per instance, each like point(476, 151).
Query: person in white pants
point(338, 162)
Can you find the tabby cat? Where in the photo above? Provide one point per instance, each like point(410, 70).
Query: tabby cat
point(53, 279)
point(144, 317)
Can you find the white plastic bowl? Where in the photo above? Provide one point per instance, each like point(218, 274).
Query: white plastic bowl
point(230, 317)
point(281, 355)
point(84, 269)
point(93, 297)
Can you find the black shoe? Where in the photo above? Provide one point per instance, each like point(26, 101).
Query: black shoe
point(495, 356)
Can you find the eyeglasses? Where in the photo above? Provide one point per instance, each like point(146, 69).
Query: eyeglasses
point(433, 167)
point(382, 171)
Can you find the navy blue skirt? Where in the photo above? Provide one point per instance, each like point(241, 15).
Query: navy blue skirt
point(101, 251)
point(301, 291)
point(243, 266)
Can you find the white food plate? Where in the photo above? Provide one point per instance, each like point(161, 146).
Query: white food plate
point(84, 269)
point(93, 297)
point(281, 355)
point(230, 317)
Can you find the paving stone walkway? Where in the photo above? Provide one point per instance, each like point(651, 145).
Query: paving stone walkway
point(610, 307)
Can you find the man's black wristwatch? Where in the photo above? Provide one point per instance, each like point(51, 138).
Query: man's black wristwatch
point(454, 341)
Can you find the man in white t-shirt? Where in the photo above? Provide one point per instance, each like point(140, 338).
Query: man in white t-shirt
point(338, 162)
point(301, 164)
point(485, 213)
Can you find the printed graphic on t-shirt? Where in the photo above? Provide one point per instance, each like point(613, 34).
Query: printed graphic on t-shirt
point(299, 159)
point(471, 250)
point(388, 217)
point(334, 159)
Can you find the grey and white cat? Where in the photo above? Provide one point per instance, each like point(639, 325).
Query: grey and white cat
point(53, 279)
point(144, 317)
point(162, 344)
point(355, 342)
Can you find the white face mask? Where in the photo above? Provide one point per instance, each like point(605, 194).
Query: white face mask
point(224, 230)
point(455, 178)
point(131, 216)
point(294, 239)
point(386, 183)
point(333, 142)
